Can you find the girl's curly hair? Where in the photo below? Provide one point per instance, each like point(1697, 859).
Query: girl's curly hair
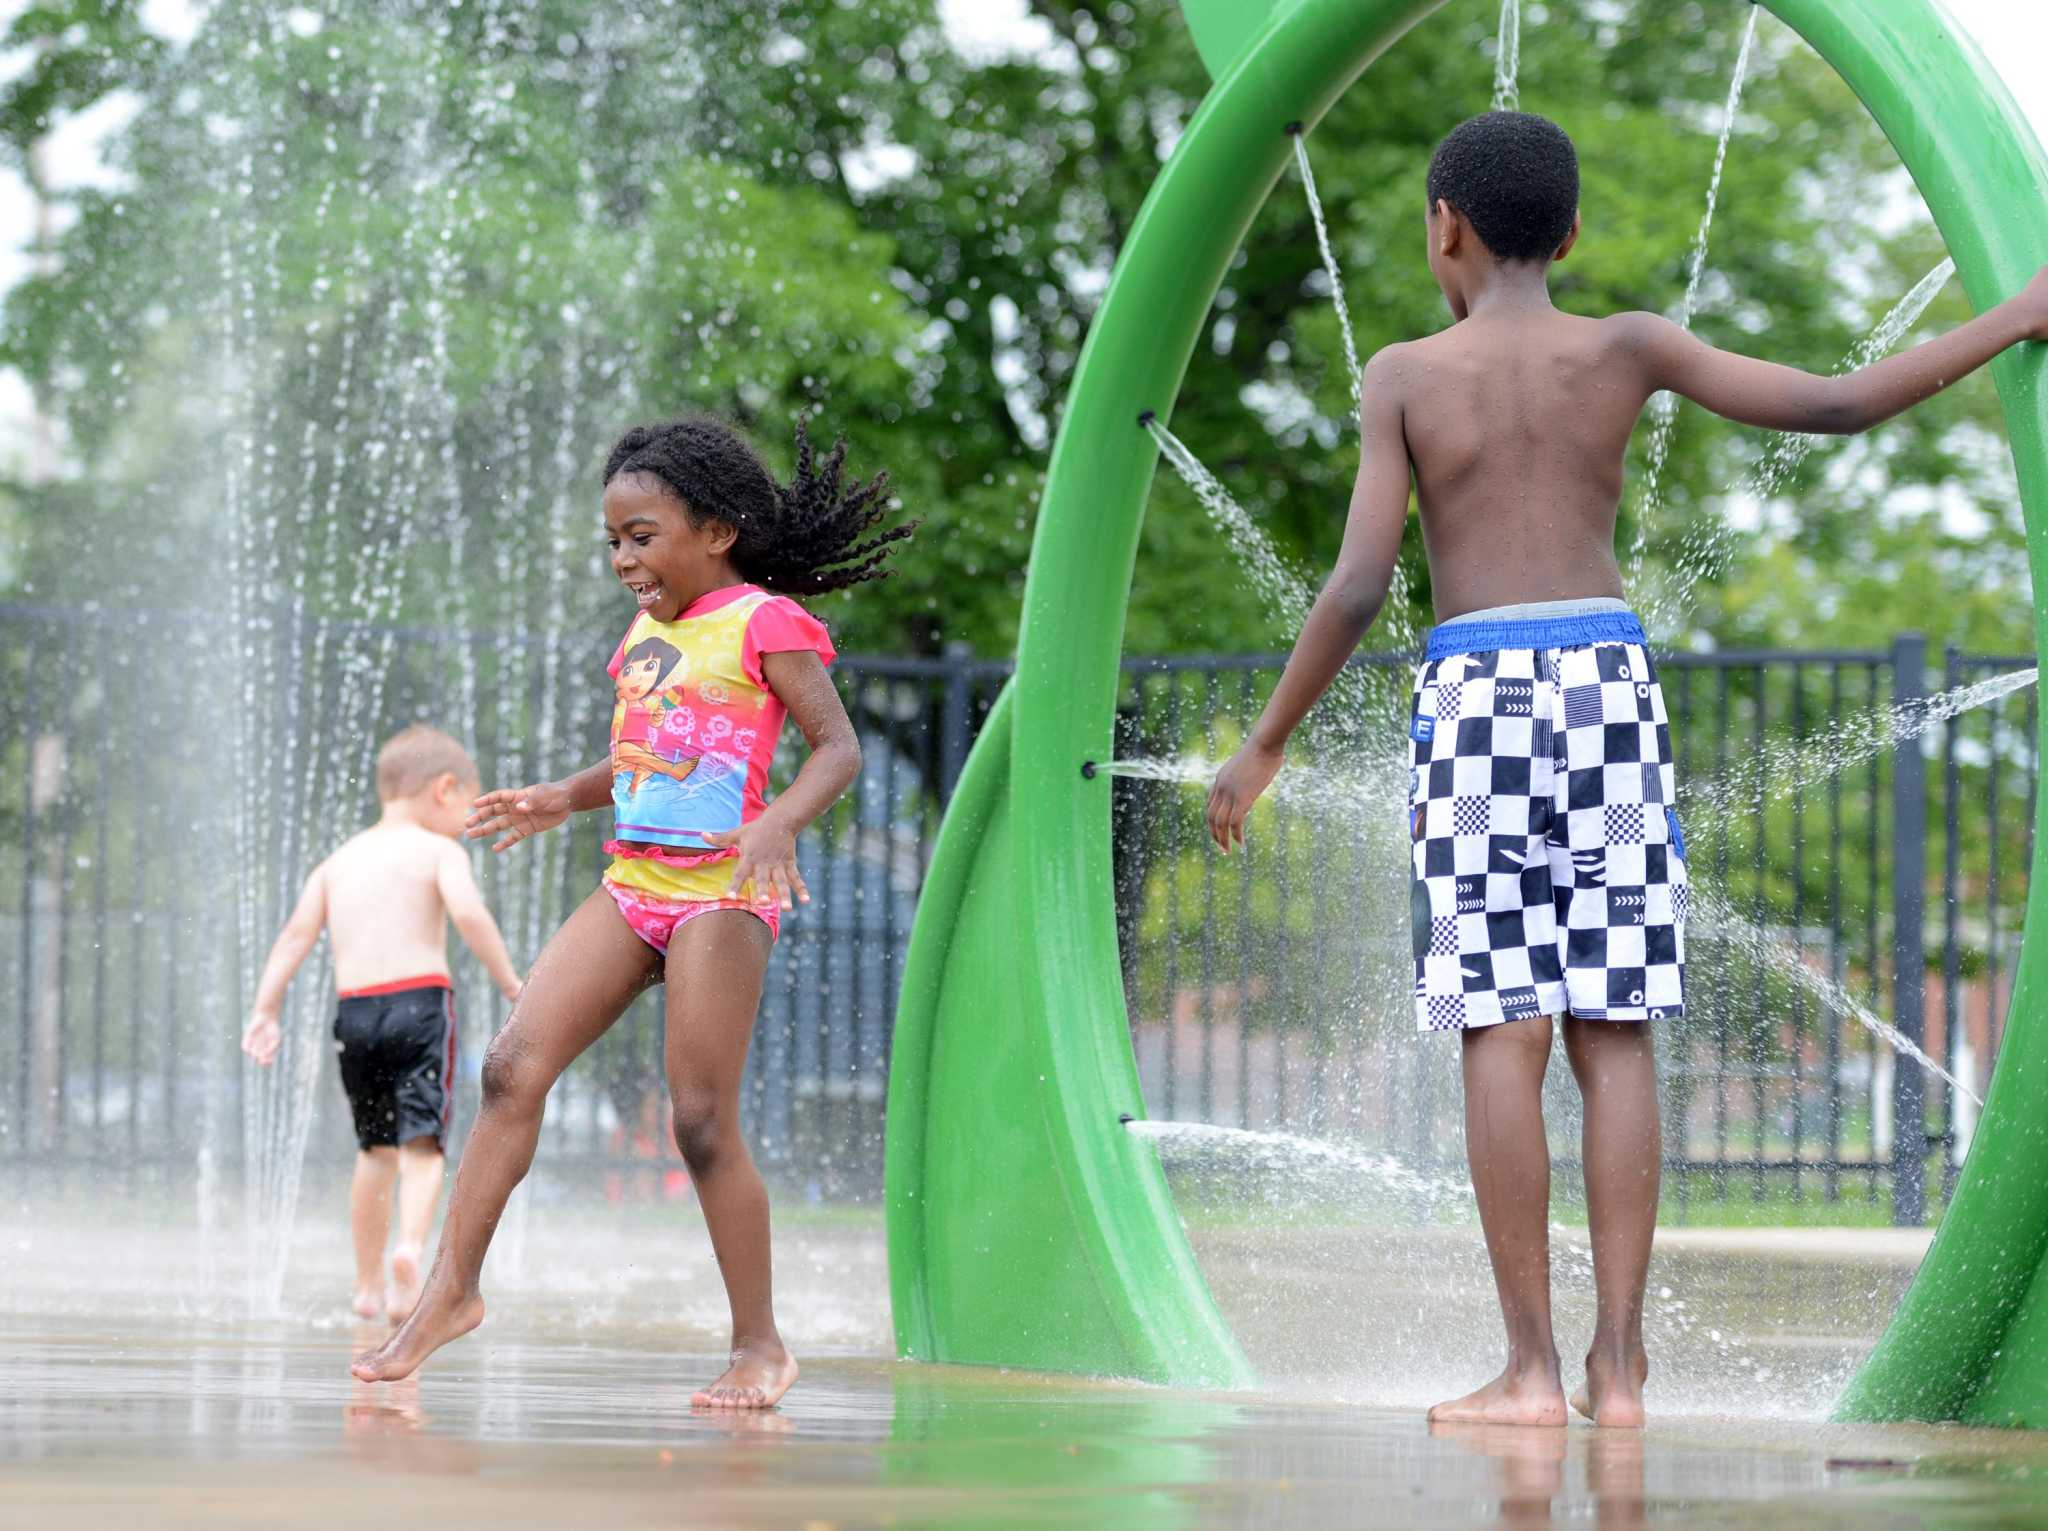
point(806, 537)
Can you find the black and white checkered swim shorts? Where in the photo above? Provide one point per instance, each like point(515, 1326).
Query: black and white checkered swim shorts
point(1548, 871)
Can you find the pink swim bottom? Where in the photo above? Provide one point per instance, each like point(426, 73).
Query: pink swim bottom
point(656, 920)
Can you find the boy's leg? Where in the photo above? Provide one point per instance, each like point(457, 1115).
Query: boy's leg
point(580, 984)
point(420, 1165)
point(716, 963)
point(1510, 1158)
point(1616, 1066)
point(369, 1220)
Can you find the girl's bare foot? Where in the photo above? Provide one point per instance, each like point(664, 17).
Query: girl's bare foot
point(433, 1323)
point(405, 1283)
point(1613, 1394)
point(1530, 1396)
point(367, 1303)
point(757, 1379)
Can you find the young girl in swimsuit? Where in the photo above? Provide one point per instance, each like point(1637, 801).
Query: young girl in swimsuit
point(703, 869)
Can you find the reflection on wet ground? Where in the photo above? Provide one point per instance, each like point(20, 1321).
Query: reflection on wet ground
point(260, 1425)
point(125, 1403)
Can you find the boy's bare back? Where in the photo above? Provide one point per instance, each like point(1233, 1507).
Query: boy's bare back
point(387, 893)
point(1517, 426)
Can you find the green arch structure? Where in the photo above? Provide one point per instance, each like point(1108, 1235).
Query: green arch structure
point(1026, 1228)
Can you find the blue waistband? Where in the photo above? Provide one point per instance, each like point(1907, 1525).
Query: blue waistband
point(1577, 632)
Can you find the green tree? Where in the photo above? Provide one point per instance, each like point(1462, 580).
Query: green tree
point(396, 276)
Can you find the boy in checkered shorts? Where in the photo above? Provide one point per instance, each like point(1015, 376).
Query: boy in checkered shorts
point(1548, 870)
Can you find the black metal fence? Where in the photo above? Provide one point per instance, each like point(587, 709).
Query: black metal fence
point(159, 814)
point(157, 826)
point(1860, 832)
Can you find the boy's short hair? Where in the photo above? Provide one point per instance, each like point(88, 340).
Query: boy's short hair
point(1515, 176)
point(415, 756)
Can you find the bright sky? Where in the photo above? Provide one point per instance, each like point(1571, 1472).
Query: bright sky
point(2010, 32)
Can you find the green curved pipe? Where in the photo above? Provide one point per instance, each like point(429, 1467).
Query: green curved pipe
point(1025, 1228)
point(1970, 1340)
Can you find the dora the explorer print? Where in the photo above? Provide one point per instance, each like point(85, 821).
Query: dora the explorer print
point(695, 724)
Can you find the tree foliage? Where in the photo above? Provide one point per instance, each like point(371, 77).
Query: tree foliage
point(381, 283)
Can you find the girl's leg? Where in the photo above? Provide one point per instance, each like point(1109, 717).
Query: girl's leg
point(580, 984)
point(369, 1220)
point(1616, 1066)
point(1510, 1160)
point(715, 966)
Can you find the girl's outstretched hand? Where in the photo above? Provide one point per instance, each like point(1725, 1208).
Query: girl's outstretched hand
point(517, 813)
point(767, 859)
point(1244, 776)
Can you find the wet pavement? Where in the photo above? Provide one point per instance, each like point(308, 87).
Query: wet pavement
point(259, 1424)
point(1399, 1317)
point(126, 1400)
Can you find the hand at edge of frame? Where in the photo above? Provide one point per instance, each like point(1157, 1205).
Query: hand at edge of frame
point(2035, 296)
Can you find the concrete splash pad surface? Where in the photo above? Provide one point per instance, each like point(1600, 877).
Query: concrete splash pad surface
point(131, 1397)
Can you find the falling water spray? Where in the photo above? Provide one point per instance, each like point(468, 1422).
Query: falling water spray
point(1664, 412)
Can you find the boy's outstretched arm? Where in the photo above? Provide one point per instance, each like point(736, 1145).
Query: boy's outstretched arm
point(262, 1036)
point(465, 906)
point(518, 813)
point(1763, 393)
point(1350, 599)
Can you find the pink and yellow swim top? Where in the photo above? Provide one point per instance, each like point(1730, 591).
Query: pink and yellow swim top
point(695, 724)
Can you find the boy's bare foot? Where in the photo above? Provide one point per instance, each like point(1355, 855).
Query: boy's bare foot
point(405, 1283)
point(1512, 1398)
point(367, 1303)
point(1613, 1394)
point(430, 1326)
point(757, 1379)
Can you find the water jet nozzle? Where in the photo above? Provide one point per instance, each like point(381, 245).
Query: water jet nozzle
point(1145, 418)
point(1294, 129)
point(1124, 1119)
point(1088, 770)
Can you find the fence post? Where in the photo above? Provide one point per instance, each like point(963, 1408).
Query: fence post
point(956, 730)
point(43, 914)
point(1909, 958)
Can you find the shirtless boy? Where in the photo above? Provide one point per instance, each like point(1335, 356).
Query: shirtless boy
point(384, 898)
point(1548, 874)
